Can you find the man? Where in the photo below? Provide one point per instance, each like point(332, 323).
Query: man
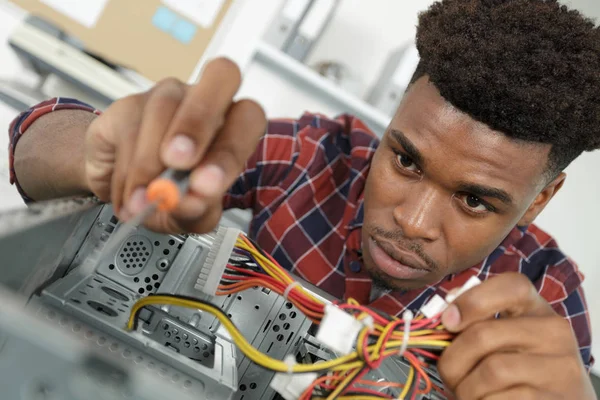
point(507, 94)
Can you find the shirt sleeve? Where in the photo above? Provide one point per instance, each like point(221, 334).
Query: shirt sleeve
point(574, 309)
point(18, 127)
point(562, 287)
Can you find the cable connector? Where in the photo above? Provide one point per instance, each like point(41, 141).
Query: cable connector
point(471, 283)
point(291, 386)
point(436, 305)
point(216, 260)
point(338, 330)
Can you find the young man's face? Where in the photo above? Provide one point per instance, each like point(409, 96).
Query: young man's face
point(444, 190)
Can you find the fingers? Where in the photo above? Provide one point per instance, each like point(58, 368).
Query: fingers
point(532, 335)
point(522, 392)
point(503, 372)
point(144, 164)
point(201, 115)
point(245, 125)
point(108, 148)
point(511, 294)
point(224, 160)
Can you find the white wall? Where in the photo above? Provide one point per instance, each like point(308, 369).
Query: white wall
point(361, 35)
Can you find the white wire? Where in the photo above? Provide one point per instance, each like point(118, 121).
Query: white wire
point(288, 289)
point(407, 317)
point(290, 361)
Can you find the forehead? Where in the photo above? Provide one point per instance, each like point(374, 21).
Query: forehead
point(463, 149)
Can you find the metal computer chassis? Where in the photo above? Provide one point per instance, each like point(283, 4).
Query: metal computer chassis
point(186, 351)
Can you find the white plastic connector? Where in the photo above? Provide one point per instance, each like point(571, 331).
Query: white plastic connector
point(471, 283)
point(436, 305)
point(407, 317)
point(338, 330)
point(216, 260)
point(291, 386)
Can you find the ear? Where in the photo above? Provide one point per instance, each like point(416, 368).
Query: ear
point(542, 199)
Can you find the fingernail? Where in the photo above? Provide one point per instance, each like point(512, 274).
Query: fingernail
point(451, 317)
point(208, 181)
point(180, 152)
point(137, 202)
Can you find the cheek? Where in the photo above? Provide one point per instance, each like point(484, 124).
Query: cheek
point(381, 184)
point(470, 243)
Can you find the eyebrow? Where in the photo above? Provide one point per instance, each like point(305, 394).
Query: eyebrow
point(408, 146)
point(472, 188)
point(486, 191)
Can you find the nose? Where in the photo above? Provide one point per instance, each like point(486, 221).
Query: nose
point(419, 214)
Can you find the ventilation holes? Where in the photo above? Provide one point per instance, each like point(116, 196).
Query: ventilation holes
point(289, 338)
point(134, 254)
point(114, 293)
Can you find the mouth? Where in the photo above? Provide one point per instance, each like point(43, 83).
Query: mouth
point(395, 262)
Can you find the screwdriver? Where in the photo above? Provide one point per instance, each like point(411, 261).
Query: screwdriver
point(164, 194)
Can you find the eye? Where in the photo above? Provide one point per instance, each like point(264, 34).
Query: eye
point(474, 203)
point(405, 162)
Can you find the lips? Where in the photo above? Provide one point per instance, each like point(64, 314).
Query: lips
point(395, 262)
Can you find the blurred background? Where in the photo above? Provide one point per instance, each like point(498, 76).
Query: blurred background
point(326, 56)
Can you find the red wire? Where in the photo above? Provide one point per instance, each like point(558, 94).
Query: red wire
point(417, 383)
point(425, 353)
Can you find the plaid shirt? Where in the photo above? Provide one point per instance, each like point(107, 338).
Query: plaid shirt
point(305, 185)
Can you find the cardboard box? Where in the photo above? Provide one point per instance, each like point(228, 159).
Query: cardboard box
point(147, 36)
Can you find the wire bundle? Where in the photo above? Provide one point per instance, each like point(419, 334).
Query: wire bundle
point(419, 340)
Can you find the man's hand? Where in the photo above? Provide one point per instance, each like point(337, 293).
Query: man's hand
point(175, 125)
point(528, 353)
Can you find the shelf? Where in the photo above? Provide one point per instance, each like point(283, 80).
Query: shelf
point(299, 72)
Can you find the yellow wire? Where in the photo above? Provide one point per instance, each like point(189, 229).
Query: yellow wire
point(409, 379)
point(273, 270)
point(343, 384)
point(343, 363)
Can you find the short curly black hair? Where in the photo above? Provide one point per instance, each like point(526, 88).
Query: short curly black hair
point(527, 68)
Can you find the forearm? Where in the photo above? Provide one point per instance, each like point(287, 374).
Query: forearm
point(50, 158)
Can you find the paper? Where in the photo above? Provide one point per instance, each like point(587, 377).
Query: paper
point(86, 12)
point(202, 12)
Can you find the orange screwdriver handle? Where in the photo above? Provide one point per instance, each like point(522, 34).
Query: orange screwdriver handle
point(168, 189)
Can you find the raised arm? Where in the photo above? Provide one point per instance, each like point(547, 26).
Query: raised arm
point(116, 155)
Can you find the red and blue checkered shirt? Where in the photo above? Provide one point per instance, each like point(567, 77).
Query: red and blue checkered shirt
point(305, 185)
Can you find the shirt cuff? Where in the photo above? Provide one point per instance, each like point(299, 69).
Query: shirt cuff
point(24, 120)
